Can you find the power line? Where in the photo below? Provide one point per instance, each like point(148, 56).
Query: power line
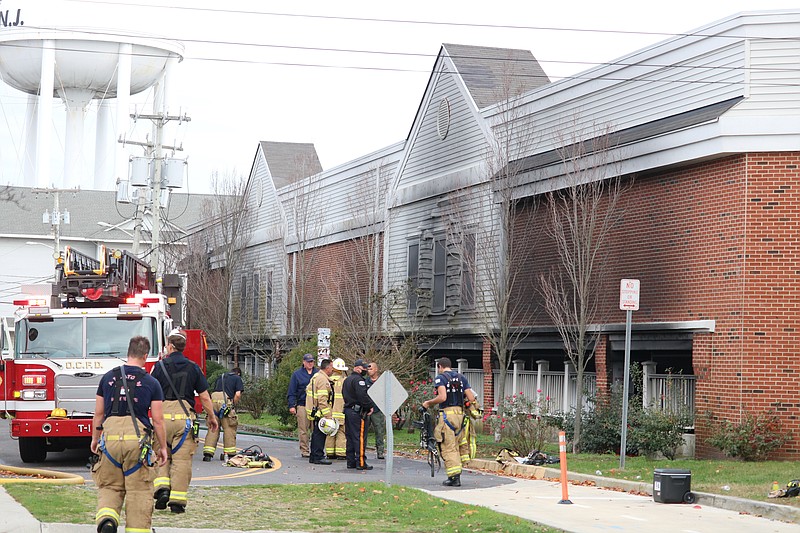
point(405, 21)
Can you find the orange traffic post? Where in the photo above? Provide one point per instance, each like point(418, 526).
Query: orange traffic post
point(562, 450)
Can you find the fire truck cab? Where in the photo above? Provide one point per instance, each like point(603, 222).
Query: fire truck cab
point(58, 350)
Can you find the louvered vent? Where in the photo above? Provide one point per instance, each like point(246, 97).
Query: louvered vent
point(443, 121)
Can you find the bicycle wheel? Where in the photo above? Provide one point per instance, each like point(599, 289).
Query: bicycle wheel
point(432, 461)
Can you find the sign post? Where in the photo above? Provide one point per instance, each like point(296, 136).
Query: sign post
point(388, 394)
point(628, 302)
point(323, 344)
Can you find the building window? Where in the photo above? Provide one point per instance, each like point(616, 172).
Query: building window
point(439, 274)
point(413, 277)
point(243, 300)
point(256, 290)
point(468, 272)
point(269, 296)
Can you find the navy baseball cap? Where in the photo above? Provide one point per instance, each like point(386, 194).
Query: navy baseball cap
point(361, 363)
point(308, 358)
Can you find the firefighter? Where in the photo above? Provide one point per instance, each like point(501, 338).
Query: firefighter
point(180, 379)
point(319, 397)
point(122, 437)
point(452, 429)
point(228, 393)
point(357, 406)
point(335, 445)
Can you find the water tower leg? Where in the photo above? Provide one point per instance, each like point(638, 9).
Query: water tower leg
point(29, 155)
point(104, 144)
point(76, 100)
point(45, 117)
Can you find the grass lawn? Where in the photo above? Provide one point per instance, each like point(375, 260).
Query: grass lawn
point(339, 507)
point(717, 476)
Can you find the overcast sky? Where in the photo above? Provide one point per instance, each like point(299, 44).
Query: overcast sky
point(346, 76)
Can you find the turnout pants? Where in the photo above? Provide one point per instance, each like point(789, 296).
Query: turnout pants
point(455, 442)
point(356, 434)
point(114, 488)
point(228, 425)
point(176, 474)
point(302, 429)
point(377, 423)
point(336, 445)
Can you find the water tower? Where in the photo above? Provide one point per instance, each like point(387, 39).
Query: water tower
point(78, 66)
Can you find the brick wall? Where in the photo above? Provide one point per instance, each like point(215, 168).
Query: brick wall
point(335, 277)
point(718, 240)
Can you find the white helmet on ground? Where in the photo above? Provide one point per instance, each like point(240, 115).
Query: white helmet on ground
point(328, 426)
point(338, 364)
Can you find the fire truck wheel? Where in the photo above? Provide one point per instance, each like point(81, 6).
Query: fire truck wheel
point(32, 449)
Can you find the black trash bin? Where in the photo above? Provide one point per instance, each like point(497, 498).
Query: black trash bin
point(671, 485)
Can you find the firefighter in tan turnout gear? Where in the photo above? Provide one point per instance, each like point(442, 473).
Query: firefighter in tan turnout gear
point(336, 444)
point(453, 426)
point(180, 378)
point(122, 437)
point(319, 398)
point(228, 392)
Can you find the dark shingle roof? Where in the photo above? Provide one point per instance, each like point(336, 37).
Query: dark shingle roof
point(289, 162)
point(86, 209)
point(494, 74)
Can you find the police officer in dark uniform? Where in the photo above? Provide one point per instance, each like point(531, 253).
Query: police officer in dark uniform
point(357, 406)
point(124, 471)
point(180, 378)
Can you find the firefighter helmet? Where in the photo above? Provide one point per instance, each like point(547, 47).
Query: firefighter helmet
point(58, 412)
point(338, 364)
point(328, 426)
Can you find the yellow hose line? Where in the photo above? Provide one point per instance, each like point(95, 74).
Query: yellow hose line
point(49, 476)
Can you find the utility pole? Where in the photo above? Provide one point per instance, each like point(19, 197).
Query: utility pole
point(154, 152)
point(57, 216)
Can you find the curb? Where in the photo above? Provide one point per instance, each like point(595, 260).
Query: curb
point(774, 511)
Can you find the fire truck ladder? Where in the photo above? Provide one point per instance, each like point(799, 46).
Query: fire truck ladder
point(88, 282)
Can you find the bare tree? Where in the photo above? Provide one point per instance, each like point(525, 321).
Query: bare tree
point(306, 216)
point(355, 282)
point(581, 215)
point(213, 262)
point(488, 245)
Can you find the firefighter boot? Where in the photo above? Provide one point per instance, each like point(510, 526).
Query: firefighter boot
point(162, 497)
point(207, 458)
point(107, 526)
point(453, 481)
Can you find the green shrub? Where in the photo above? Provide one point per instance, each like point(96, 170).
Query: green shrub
point(751, 439)
point(656, 431)
point(278, 384)
point(650, 431)
point(213, 371)
point(254, 397)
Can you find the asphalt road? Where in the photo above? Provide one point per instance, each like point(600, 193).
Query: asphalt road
point(289, 466)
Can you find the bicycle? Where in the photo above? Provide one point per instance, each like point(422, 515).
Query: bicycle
point(427, 443)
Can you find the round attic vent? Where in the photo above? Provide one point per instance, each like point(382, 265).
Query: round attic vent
point(443, 120)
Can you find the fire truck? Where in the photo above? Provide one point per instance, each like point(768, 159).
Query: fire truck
point(58, 349)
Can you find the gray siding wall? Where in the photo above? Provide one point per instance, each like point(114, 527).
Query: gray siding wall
point(774, 79)
point(465, 145)
point(658, 84)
